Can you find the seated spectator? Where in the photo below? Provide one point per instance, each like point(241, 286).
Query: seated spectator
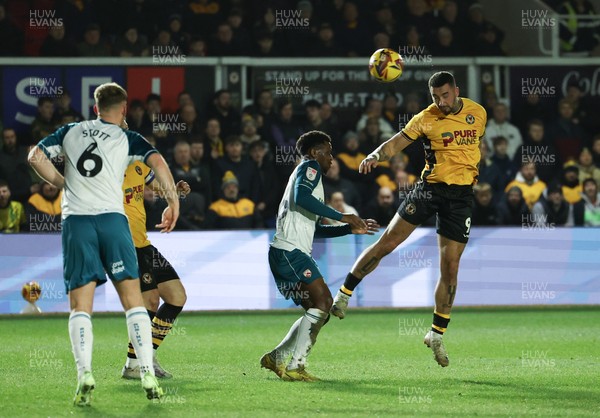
point(387, 22)
point(565, 134)
point(336, 201)
point(513, 209)
point(198, 177)
point(390, 109)
point(490, 173)
point(578, 36)
point(538, 150)
point(486, 38)
point(137, 119)
point(501, 159)
point(197, 48)
point(269, 182)
point(285, 130)
point(586, 166)
point(381, 208)
point(93, 45)
point(14, 167)
point(232, 211)
point(265, 45)
point(63, 108)
point(224, 43)
point(371, 136)
point(484, 210)
point(45, 122)
point(451, 19)
point(241, 35)
point(12, 214)
point(249, 135)
point(221, 109)
point(264, 108)
point(245, 171)
point(381, 40)
point(591, 200)
point(500, 126)
point(333, 182)
point(56, 45)
point(44, 210)
point(325, 45)
point(132, 44)
point(444, 44)
point(554, 210)
point(534, 108)
point(304, 38)
point(386, 176)
point(529, 184)
point(212, 139)
point(184, 98)
point(571, 187)
point(353, 32)
point(374, 109)
point(189, 116)
point(349, 159)
point(201, 17)
point(179, 37)
point(164, 46)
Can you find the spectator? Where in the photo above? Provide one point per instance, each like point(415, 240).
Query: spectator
point(265, 45)
point(241, 35)
point(325, 45)
point(554, 210)
point(571, 187)
point(374, 109)
point(269, 182)
point(184, 98)
point(586, 166)
point(189, 116)
point(353, 32)
point(529, 184)
point(500, 126)
point(484, 210)
point(444, 44)
point(231, 211)
point(490, 173)
point(533, 109)
point(44, 209)
point(164, 46)
point(12, 214)
point(196, 176)
point(212, 139)
point(449, 18)
point(382, 207)
point(513, 210)
point(413, 44)
point(302, 39)
point(57, 45)
point(386, 176)
point(333, 182)
point(137, 119)
point(63, 108)
point(419, 16)
point(537, 149)
point(192, 212)
point(249, 135)
point(486, 38)
point(591, 200)
point(381, 40)
point(179, 37)
point(201, 17)
point(197, 160)
point(565, 134)
point(285, 130)
point(501, 159)
point(314, 121)
point(264, 107)
point(224, 44)
point(371, 136)
point(93, 45)
point(336, 201)
point(131, 44)
point(11, 38)
point(577, 36)
point(45, 122)
point(582, 106)
point(197, 47)
point(349, 159)
point(390, 109)
point(387, 23)
point(596, 150)
point(245, 171)
point(228, 117)
point(330, 120)
point(14, 167)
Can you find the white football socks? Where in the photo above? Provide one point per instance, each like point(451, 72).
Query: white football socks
point(309, 328)
point(285, 348)
point(140, 335)
point(82, 341)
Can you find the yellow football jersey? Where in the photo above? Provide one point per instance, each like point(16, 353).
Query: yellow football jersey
point(451, 142)
point(137, 176)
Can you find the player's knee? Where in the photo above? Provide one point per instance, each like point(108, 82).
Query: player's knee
point(179, 297)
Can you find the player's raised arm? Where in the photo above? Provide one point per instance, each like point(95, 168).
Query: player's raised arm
point(384, 152)
point(166, 185)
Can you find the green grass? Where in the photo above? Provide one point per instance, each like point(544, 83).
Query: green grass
point(504, 362)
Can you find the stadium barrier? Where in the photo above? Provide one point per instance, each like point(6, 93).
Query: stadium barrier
point(228, 270)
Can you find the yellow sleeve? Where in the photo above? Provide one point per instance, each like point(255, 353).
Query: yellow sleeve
point(414, 128)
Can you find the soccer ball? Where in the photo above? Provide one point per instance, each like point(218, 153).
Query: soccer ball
point(386, 65)
point(31, 291)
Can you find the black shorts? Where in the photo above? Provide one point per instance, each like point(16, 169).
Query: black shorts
point(451, 204)
point(154, 268)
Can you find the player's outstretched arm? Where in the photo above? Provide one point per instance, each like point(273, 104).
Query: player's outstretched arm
point(166, 188)
point(44, 167)
point(384, 152)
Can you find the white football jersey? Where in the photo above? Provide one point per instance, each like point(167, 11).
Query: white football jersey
point(96, 155)
point(296, 225)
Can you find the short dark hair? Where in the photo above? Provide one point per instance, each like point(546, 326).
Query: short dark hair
point(153, 96)
point(441, 78)
point(257, 144)
point(136, 104)
point(232, 139)
point(312, 103)
point(310, 140)
point(589, 180)
point(108, 95)
point(4, 183)
point(537, 122)
point(43, 100)
point(498, 139)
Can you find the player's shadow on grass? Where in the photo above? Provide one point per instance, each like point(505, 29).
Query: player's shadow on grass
point(372, 386)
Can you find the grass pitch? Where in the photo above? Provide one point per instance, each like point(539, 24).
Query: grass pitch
point(503, 362)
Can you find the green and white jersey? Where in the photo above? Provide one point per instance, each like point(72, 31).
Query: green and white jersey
point(296, 225)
